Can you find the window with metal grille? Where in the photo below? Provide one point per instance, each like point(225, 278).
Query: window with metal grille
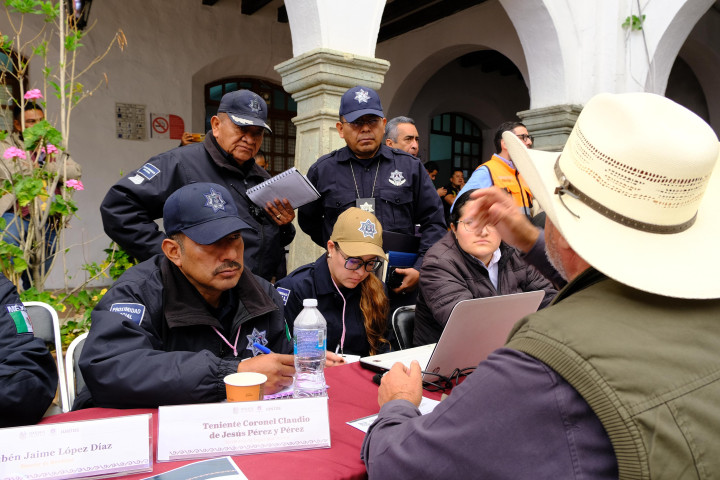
point(457, 139)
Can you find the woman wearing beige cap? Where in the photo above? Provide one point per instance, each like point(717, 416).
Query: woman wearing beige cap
point(351, 298)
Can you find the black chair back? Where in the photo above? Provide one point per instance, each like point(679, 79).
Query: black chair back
point(403, 323)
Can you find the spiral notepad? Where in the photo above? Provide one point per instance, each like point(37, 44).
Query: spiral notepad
point(290, 184)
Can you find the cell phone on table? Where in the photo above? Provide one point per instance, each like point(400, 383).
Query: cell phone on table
point(394, 279)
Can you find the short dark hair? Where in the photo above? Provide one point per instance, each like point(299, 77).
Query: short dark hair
point(391, 128)
point(504, 127)
point(459, 205)
point(431, 166)
point(456, 169)
point(28, 106)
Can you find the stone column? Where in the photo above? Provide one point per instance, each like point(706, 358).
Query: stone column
point(550, 126)
point(316, 80)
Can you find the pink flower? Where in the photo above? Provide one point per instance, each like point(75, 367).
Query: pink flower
point(50, 149)
point(75, 184)
point(13, 152)
point(33, 94)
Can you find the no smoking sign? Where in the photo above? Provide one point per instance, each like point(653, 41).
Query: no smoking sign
point(166, 126)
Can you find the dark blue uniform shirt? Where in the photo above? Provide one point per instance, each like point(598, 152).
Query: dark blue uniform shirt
point(403, 192)
point(313, 281)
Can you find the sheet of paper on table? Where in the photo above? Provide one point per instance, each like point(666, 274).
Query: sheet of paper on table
point(217, 468)
point(363, 424)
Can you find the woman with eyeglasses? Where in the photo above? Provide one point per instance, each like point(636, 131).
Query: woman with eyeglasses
point(350, 296)
point(470, 261)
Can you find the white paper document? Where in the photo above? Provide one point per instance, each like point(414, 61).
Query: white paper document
point(363, 424)
point(290, 184)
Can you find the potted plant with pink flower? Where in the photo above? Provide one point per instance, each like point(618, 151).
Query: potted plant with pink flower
point(37, 176)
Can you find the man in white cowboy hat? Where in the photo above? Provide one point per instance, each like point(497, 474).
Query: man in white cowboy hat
point(619, 378)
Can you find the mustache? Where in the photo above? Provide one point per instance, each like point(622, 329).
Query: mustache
point(227, 266)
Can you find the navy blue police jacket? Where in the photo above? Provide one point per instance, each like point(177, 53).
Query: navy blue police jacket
point(152, 340)
point(28, 375)
point(403, 191)
point(132, 205)
point(313, 281)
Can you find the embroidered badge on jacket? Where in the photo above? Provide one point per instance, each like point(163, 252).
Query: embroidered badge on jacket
point(256, 337)
point(20, 317)
point(396, 178)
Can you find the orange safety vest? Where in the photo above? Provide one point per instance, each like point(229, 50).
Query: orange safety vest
point(509, 179)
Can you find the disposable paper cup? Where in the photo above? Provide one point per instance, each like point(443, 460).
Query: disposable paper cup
point(245, 386)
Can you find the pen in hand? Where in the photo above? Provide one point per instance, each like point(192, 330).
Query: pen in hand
point(262, 348)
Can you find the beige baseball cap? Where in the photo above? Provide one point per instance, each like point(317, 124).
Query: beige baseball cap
point(358, 233)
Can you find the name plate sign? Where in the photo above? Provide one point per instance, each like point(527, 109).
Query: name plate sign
point(218, 429)
point(87, 448)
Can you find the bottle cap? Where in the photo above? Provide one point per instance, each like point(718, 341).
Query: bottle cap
point(310, 302)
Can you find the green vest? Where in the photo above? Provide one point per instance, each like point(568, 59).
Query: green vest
point(648, 366)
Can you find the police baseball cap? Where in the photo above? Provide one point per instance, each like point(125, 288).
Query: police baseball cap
point(204, 212)
point(358, 233)
point(245, 108)
point(359, 101)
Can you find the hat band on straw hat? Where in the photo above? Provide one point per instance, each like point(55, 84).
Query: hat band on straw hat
point(568, 188)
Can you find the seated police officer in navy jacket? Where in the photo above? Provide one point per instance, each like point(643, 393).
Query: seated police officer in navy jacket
point(28, 376)
point(172, 327)
point(350, 297)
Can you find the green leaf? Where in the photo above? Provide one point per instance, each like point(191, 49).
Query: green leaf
point(27, 188)
point(41, 131)
point(72, 41)
point(56, 89)
point(50, 11)
point(41, 49)
point(62, 206)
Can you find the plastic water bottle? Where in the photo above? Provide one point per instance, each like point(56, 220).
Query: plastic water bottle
point(309, 344)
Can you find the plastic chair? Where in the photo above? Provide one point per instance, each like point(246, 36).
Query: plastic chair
point(75, 382)
point(46, 325)
point(403, 323)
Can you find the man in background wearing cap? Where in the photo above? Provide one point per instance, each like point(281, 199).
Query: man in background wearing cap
point(389, 183)
point(619, 377)
point(172, 327)
point(132, 205)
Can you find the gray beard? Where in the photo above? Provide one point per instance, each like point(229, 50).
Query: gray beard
point(554, 260)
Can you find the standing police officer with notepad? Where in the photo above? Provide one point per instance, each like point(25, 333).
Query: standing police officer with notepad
point(390, 183)
point(132, 205)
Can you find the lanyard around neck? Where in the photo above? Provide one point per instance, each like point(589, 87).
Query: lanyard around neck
point(357, 191)
point(234, 347)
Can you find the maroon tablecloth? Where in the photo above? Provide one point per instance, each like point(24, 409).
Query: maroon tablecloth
point(352, 395)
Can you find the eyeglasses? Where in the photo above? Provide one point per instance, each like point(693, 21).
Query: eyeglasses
point(433, 382)
point(524, 137)
point(355, 263)
point(371, 122)
point(471, 226)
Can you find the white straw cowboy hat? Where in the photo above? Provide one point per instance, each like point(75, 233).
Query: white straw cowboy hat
point(638, 199)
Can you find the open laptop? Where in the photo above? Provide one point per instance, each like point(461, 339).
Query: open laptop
point(474, 329)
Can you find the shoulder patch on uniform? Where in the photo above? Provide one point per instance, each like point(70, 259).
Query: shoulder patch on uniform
point(20, 317)
point(148, 171)
point(133, 311)
point(284, 293)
